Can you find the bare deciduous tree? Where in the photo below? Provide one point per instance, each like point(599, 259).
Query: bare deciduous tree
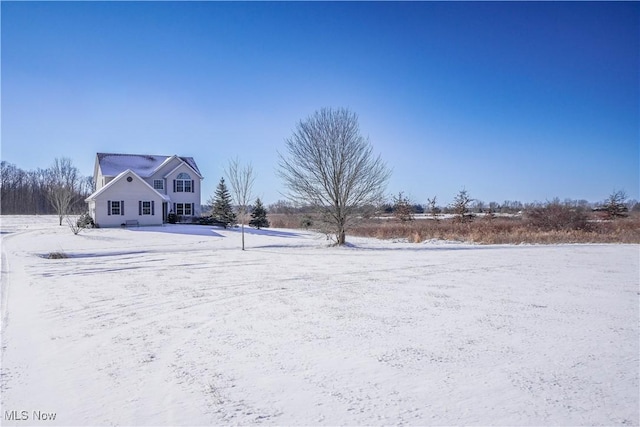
point(331, 167)
point(241, 180)
point(64, 181)
point(433, 207)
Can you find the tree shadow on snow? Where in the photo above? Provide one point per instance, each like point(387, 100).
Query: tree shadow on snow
point(188, 229)
point(425, 247)
point(266, 232)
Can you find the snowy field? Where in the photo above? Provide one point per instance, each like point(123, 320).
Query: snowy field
point(175, 325)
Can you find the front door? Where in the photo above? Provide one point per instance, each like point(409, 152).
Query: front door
point(164, 212)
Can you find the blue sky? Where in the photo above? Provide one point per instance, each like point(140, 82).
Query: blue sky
point(512, 101)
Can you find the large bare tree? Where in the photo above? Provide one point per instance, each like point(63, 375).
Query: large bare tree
point(64, 183)
point(330, 166)
point(241, 179)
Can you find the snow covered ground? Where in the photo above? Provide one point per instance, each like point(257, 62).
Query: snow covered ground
point(175, 325)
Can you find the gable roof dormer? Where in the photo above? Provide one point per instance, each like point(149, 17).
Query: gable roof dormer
point(129, 174)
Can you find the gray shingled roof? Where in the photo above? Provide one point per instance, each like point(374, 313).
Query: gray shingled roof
point(142, 164)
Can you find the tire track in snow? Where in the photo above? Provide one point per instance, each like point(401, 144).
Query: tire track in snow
point(154, 353)
point(174, 369)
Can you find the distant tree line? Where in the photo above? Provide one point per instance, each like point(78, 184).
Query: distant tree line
point(616, 202)
point(403, 208)
point(59, 189)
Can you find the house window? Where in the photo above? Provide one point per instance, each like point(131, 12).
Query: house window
point(184, 209)
point(158, 184)
point(146, 208)
point(115, 208)
point(183, 183)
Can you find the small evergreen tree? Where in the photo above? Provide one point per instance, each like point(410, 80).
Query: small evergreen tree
point(221, 207)
point(259, 216)
point(402, 208)
point(306, 222)
point(615, 206)
point(460, 206)
point(434, 210)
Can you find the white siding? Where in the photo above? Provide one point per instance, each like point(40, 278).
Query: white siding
point(184, 197)
point(131, 193)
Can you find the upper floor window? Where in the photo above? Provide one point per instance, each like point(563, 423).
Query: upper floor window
point(183, 183)
point(158, 184)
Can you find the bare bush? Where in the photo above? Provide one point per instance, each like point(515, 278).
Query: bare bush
point(555, 216)
point(74, 225)
point(56, 255)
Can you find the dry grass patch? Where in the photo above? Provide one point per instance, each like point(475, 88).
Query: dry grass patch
point(56, 255)
point(501, 231)
point(487, 230)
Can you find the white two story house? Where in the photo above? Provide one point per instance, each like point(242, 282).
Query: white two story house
point(143, 189)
